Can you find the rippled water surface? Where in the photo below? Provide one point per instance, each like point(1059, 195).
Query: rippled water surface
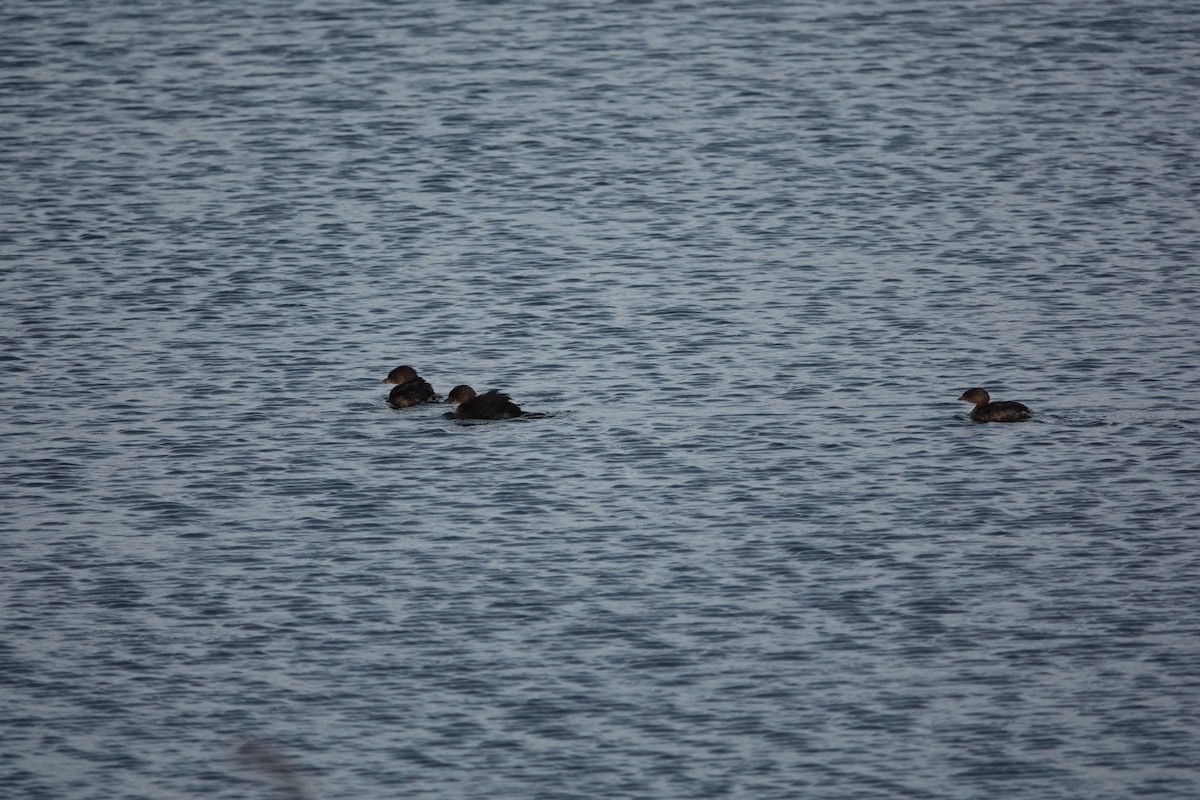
point(746, 255)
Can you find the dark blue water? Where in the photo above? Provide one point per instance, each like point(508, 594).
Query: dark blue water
point(746, 255)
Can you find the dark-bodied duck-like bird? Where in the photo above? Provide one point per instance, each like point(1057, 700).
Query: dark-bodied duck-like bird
point(1000, 411)
point(410, 389)
point(492, 404)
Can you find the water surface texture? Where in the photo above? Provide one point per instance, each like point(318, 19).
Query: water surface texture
point(746, 255)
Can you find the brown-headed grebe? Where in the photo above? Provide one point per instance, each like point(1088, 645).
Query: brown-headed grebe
point(1000, 411)
point(410, 390)
point(490, 405)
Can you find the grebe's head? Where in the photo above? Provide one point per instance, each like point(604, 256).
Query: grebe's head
point(401, 374)
point(460, 394)
point(977, 396)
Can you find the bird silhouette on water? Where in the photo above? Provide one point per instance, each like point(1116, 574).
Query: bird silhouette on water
point(1000, 411)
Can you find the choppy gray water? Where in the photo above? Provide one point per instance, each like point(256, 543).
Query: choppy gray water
point(748, 254)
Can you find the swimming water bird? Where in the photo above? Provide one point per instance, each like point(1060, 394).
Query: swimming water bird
point(411, 394)
point(1000, 411)
point(410, 390)
point(492, 404)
